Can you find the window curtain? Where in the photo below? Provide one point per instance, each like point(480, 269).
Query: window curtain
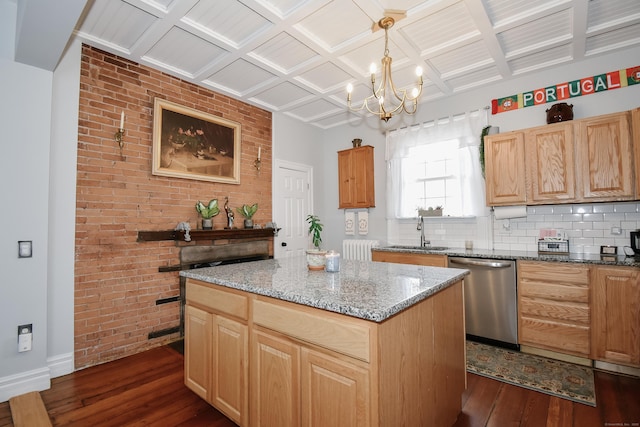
point(464, 130)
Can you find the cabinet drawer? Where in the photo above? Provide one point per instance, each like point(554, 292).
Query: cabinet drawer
point(563, 273)
point(351, 339)
point(409, 258)
point(569, 312)
point(217, 299)
point(572, 339)
point(553, 291)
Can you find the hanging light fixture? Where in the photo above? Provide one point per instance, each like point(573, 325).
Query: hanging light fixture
point(386, 99)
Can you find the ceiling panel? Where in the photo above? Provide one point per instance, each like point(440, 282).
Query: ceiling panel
point(295, 56)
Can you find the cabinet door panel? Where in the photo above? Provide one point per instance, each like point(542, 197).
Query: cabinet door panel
point(605, 158)
point(550, 166)
point(229, 385)
point(334, 392)
point(616, 317)
point(275, 382)
point(197, 351)
point(356, 178)
point(504, 169)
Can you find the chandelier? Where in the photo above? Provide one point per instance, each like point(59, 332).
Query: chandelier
point(386, 99)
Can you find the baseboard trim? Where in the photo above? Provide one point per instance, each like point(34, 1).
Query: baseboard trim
point(61, 364)
point(24, 382)
point(555, 355)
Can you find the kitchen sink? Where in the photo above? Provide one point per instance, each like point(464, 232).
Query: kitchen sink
point(420, 248)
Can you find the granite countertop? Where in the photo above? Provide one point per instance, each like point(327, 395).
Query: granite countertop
point(620, 260)
point(368, 290)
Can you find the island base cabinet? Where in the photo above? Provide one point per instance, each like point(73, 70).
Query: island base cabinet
point(616, 316)
point(275, 379)
point(197, 351)
point(334, 392)
point(229, 379)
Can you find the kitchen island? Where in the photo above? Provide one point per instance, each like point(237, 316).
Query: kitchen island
point(376, 344)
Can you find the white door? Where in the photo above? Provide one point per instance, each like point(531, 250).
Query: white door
point(292, 202)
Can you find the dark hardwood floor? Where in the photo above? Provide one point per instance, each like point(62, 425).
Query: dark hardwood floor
point(148, 390)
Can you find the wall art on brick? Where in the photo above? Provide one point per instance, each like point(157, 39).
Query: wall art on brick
point(188, 143)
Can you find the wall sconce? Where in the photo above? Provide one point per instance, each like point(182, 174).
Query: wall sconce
point(257, 163)
point(118, 137)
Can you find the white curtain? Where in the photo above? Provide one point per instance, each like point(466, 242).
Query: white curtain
point(463, 130)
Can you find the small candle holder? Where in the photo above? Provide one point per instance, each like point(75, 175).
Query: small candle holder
point(119, 137)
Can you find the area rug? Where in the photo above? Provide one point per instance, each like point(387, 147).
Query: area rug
point(561, 379)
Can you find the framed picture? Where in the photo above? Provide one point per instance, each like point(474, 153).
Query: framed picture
point(190, 144)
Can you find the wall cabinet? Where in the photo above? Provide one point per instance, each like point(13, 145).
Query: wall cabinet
point(505, 169)
point(605, 158)
point(356, 178)
point(553, 307)
point(581, 161)
point(550, 164)
point(616, 317)
point(431, 260)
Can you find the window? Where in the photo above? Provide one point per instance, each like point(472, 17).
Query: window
point(436, 164)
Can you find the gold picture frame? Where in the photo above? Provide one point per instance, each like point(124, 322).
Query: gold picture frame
point(190, 144)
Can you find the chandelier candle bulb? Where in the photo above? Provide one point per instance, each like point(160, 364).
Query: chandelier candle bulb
point(259, 152)
point(122, 120)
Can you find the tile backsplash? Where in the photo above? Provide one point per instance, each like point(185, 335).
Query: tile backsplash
point(587, 226)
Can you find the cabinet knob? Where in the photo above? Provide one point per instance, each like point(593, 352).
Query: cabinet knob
point(283, 244)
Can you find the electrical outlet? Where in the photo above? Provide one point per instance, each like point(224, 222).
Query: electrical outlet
point(25, 249)
point(25, 337)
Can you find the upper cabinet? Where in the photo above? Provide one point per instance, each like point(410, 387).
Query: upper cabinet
point(550, 174)
point(587, 160)
point(355, 178)
point(604, 158)
point(504, 169)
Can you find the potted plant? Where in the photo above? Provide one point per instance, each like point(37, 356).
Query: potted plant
point(207, 213)
point(316, 258)
point(247, 212)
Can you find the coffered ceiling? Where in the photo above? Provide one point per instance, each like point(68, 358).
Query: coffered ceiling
point(297, 56)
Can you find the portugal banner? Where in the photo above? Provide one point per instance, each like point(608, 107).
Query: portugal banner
point(566, 90)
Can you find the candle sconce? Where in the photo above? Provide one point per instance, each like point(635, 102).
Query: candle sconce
point(118, 137)
point(257, 163)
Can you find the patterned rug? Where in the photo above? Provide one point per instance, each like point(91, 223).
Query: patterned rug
point(561, 379)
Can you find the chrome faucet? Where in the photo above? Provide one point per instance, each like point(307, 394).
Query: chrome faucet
point(423, 242)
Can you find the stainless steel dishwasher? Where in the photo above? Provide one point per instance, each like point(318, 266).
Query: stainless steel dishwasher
point(490, 299)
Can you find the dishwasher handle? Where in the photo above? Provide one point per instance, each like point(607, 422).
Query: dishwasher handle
point(480, 262)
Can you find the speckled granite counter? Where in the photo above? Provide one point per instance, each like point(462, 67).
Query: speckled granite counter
point(367, 290)
point(620, 260)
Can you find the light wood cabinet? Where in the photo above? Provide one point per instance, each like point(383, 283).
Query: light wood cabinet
point(550, 164)
point(553, 307)
point(580, 161)
point(197, 351)
point(275, 381)
point(616, 315)
point(431, 260)
point(356, 186)
point(635, 132)
point(505, 169)
point(313, 367)
point(334, 392)
point(216, 348)
point(605, 158)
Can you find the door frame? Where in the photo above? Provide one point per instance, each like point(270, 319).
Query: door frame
point(279, 165)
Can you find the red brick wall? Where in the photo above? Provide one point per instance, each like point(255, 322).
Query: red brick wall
point(116, 278)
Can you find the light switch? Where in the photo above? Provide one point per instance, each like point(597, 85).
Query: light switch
point(24, 249)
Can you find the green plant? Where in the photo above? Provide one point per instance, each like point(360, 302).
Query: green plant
point(485, 132)
point(315, 229)
point(248, 211)
point(208, 211)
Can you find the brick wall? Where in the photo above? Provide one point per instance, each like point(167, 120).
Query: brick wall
point(116, 279)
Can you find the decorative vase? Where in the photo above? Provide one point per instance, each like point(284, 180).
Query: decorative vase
point(356, 142)
point(248, 223)
point(316, 259)
point(207, 223)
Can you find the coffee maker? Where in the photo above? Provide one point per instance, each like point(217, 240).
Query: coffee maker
point(635, 242)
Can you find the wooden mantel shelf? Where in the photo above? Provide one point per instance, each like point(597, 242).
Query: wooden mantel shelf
point(240, 233)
